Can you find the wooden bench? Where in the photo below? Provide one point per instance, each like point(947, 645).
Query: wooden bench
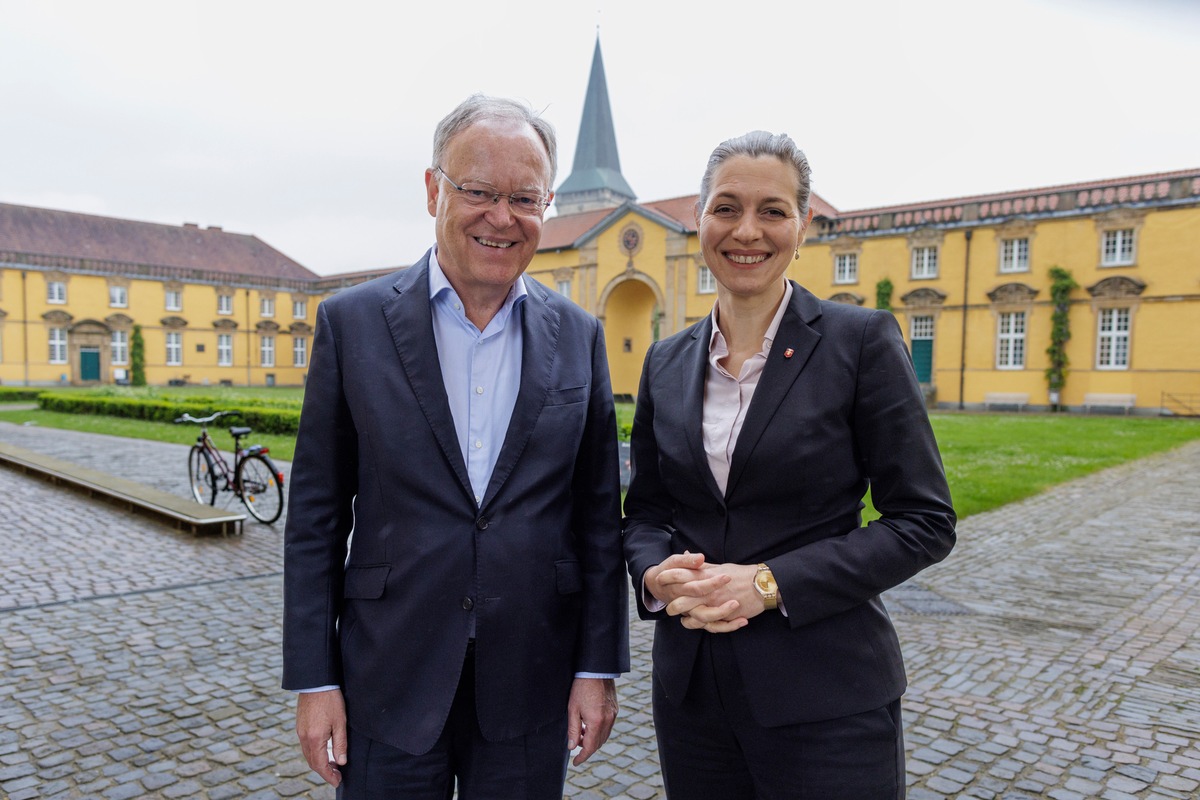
point(182, 512)
point(1125, 402)
point(1018, 399)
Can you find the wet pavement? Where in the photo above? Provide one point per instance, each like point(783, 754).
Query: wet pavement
point(1055, 654)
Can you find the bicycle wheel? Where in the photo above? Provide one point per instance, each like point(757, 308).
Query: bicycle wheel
point(202, 476)
point(260, 487)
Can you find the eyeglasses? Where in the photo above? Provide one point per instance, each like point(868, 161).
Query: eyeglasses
point(527, 204)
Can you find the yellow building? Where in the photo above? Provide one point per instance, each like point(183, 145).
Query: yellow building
point(212, 307)
point(970, 284)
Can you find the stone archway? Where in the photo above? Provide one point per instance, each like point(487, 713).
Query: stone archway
point(630, 308)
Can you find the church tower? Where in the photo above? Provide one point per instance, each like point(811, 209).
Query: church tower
point(595, 181)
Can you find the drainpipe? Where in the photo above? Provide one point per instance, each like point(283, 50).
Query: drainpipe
point(249, 339)
point(962, 363)
point(25, 324)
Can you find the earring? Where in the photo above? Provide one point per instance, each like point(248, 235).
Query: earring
point(796, 257)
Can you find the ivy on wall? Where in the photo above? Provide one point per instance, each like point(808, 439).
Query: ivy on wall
point(1060, 332)
point(883, 294)
point(137, 358)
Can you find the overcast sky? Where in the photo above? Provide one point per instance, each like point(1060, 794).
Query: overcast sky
point(309, 124)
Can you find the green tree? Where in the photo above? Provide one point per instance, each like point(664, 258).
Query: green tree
point(883, 294)
point(1060, 333)
point(137, 358)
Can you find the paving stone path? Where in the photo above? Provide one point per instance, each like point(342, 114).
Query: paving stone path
point(1055, 654)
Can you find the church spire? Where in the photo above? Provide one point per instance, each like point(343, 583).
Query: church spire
point(595, 180)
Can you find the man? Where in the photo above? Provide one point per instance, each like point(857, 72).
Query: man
point(459, 419)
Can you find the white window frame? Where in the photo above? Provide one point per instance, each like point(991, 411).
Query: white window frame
point(299, 351)
point(1119, 247)
point(266, 307)
point(1010, 340)
point(118, 297)
point(924, 262)
point(1014, 255)
point(563, 287)
point(1113, 340)
point(921, 327)
point(299, 309)
point(56, 294)
point(119, 348)
point(58, 345)
point(174, 349)
point(266, 350)
point(845, 268)
point(174, 300)
point(224, 304)
point(706, 282)
point(224, 349)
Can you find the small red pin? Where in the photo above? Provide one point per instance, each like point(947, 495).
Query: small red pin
point(788, 353)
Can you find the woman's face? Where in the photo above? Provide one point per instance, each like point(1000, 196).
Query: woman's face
point(751, 225)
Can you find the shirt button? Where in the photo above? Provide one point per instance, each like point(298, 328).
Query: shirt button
point(467, 604)
point(478, 390)
point(478, 444)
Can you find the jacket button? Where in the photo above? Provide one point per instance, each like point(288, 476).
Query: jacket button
point(468, 603)
point(481, 523)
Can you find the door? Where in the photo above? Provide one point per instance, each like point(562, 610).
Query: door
point(922, 347)
point(89, 364)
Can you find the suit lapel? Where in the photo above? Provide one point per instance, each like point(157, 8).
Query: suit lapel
point(410, 321)
point(693, 367)
point(794, 344)
point(539, 348)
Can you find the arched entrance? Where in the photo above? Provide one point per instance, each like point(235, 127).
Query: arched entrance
point(630, 308)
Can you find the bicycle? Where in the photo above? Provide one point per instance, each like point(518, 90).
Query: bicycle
point(254, 478)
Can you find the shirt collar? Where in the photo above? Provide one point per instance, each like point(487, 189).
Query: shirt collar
point(716, 340)
point(439, 285)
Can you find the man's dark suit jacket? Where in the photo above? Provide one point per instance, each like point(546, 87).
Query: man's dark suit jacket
point(837, 406)
point(539, 560)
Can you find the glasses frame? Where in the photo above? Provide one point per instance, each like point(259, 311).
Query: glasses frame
point(543, 201)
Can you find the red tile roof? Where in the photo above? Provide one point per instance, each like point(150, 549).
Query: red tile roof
point(69, 235)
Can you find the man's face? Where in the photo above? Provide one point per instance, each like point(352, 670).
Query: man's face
point(484, 249)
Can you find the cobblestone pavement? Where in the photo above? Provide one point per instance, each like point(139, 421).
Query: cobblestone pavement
point(1055, 654)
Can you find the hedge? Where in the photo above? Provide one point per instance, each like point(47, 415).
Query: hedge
point(261, 417)
point(18, 394)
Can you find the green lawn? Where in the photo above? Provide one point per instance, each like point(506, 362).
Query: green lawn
point(991, 459)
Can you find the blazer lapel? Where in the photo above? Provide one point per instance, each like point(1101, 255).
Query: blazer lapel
point(794, 344)
point(410, 321)
point(693, 367)
point(539, 348)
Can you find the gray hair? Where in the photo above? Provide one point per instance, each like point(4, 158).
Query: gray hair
point(762, 143)
point(479, 107)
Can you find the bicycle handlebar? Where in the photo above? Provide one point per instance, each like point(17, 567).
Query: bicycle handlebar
point(204, 420)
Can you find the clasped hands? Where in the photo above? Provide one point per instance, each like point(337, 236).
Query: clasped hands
point(718, 598)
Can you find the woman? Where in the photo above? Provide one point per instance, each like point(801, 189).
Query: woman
point(777, 673)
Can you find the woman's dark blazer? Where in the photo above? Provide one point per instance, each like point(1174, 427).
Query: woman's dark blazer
point(837, 409)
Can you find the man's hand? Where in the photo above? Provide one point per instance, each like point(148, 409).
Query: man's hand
point(591, 712)
point(321, 718)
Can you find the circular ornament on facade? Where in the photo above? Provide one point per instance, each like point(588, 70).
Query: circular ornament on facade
point(631, 239)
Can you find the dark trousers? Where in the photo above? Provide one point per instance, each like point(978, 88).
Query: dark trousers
point(531, 767)
point(711, 747)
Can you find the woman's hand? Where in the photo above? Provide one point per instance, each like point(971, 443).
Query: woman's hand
point(718, 598)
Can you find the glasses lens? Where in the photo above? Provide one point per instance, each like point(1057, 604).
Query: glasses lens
point(525, 203)
point(477, 195)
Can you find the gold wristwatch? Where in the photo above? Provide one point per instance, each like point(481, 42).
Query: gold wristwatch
point(768, 590)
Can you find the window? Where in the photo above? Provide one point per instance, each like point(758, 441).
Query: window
point(224, 304)
point(56, 292)
point(845, 268)
point(120, 347)
point(564, 288)
point(1014, 255)
point(924, 262)
point(1010, 341)
point(224, 350)
point(58, 345)
point(174, 300)
point(1112, 347)
point(299, 309)
point(705, 282)
point(267, 306)
point(267, 351)
point(174, 349)
point(118, 297)
point(299, 352)
point(1118, 248)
